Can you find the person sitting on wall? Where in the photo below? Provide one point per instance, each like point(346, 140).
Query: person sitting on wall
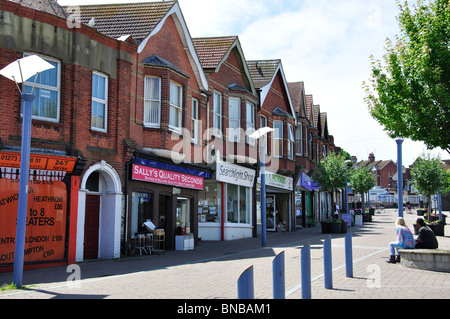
point(427, 238)
point(405, 240)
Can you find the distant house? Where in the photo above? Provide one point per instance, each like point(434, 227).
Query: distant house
point(384, 171)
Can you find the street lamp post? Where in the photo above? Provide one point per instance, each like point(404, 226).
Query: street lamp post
point(261, 135)
point(20, 71)
point(399, 177)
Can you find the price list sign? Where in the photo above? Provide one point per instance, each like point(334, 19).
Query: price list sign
point(42, 162)
point(45, 222)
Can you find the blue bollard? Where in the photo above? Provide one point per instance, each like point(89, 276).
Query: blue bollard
point(278, 277)
point(348, 255)
point(305, 262)
point(327, 264)
point(245, 285)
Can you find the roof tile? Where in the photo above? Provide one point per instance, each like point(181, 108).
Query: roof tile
point(135, 19)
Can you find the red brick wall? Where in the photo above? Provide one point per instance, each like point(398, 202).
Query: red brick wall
point(386, 174)
point(277, 97)
point(168, 45)
point(231, 71)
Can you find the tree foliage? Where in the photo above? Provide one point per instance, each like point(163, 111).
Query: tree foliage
point(362, 180)
point(409, 91)
point(332, 172)
point(428, 175)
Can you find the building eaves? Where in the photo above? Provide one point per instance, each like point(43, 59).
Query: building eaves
point(211, 51)
point(49, 6)
point(263, 73)
point(214, 51)
point(135, 19)
point(297, 92)
point(279, 112)
point(156, 60)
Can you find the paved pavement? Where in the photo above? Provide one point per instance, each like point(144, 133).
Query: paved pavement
point(211, 270)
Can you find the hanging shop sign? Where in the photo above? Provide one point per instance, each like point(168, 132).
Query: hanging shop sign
point(37, 161)
point(160, 176)
point(306, 182)
point(45, 222)
point(235, 174)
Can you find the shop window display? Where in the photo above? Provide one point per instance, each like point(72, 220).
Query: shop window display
point(184, 214)
point(238, 204)
point(141, 211)
point(209, 206)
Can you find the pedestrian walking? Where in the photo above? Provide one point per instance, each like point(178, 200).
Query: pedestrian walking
point(336, 210)
point(405, 240)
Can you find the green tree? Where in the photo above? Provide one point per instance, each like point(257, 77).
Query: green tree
point(429, 176)
point(332, 173)
point(409, 91)
point(362, 181)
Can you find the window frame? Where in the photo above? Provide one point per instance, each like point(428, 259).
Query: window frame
point(194, 121)
point(291, 141)
point(263, 123)
point(151, 101)
point(235, 215)
point(299, 140)
point(250, 126)
point(276, 138)
point(218, 129)
point(234, 133)
point(39, 86)
point(176, 108)
point(98, 100)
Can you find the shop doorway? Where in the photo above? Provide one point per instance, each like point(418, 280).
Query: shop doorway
point(91, 227)
point(164, 207)
point(99, 213)
point(271, 213)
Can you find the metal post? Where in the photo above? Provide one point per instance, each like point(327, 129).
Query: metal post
point(399, 177)
point(245, 285)
point(440, 205)
point(263, 193)
point(305, 262)
point(327, 264)
point(348, 255)
point(27, 100)
point(346, 198)
point(278, 277)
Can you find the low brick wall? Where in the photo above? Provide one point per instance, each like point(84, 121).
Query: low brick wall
point(427, 259)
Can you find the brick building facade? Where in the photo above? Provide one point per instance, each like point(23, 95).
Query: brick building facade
point(133, 103)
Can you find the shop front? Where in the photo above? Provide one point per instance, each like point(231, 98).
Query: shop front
point(47, 221)
point(225, 204)
point(306, 191)
point(279, 205)
point(165, 194)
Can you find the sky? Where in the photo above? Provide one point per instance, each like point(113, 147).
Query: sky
point(326, 44)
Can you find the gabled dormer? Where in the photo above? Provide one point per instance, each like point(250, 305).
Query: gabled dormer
point(231, 110)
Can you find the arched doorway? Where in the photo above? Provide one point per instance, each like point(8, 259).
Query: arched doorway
point(99, 213)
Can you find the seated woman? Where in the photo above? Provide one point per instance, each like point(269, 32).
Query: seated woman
point(427, 238)
point(405, 240)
